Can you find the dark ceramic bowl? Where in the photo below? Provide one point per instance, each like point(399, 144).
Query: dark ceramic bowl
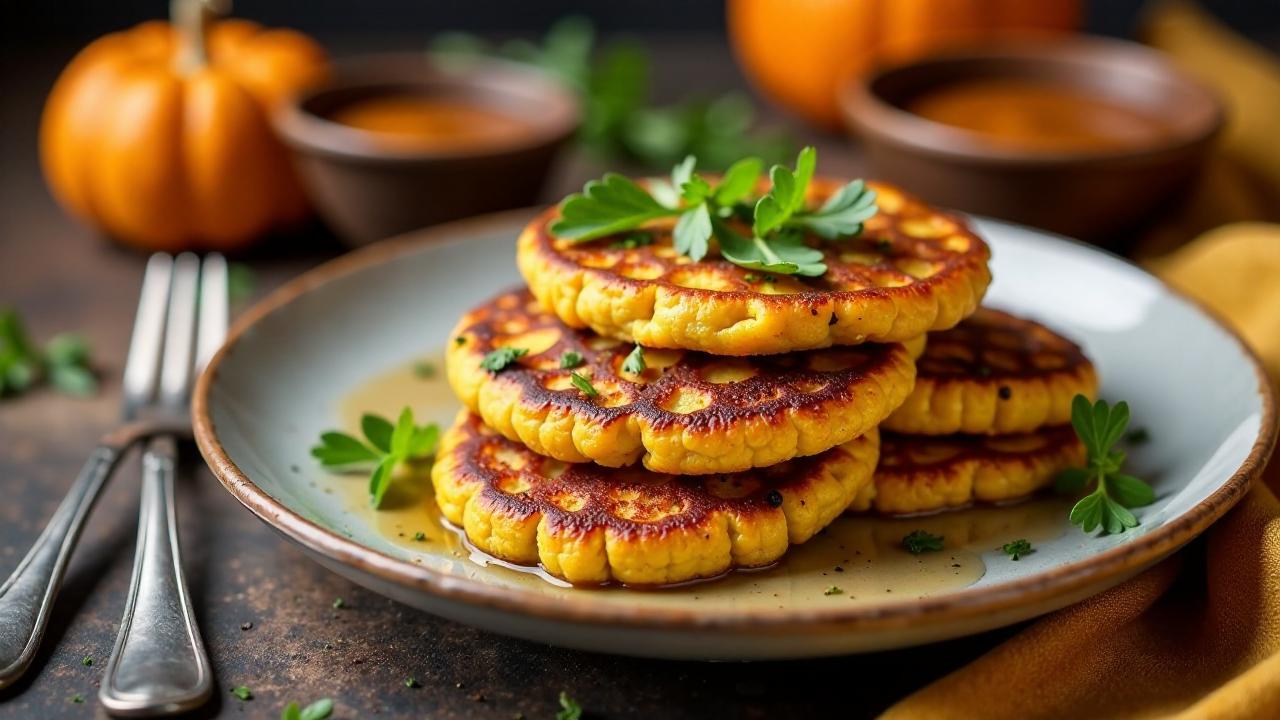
point(1093, 195)
point(366, 188)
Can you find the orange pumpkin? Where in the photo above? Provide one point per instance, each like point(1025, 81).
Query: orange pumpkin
point(161, 135)
point(798, 52)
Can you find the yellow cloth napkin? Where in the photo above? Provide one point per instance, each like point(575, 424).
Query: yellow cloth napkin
point(1197, 636)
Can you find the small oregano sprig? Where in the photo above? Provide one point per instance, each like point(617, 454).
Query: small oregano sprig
point(1100, 426)
point(779, 219)
point(385, 446)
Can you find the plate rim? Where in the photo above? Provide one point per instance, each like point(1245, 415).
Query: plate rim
point(1038, 587)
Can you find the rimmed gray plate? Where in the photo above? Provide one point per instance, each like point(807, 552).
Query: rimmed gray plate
point(340, 339)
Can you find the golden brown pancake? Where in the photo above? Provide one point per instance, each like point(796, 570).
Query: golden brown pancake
point(588, 524)
point(914, 269)
point(994, 373)
point(920, 474)
point(687, 413)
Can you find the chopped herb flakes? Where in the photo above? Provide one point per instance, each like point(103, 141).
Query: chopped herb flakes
point(1017, 548)
point(919, 541)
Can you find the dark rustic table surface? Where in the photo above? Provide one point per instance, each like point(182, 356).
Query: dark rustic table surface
point(265, 609)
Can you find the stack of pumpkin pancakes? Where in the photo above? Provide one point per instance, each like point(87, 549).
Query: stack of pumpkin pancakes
point(759, 408)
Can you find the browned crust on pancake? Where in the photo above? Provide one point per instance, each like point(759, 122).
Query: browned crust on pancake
point(925, 474)
point(688, 413)
point(625, 522)
point(913, 270)
point(994, 373)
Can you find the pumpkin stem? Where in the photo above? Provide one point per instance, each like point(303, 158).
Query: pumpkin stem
point(194, 19)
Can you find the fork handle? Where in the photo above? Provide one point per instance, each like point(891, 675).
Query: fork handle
point(159, 665)
point(26, 598)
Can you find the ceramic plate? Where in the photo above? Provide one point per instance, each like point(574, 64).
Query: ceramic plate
point(351, 336)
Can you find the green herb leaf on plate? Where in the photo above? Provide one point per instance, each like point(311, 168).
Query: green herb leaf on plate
point(583, 384)
point(242, 692)
point(1100, 427)
point(634, 362)
point(1016, 549)
point(500, 359)
point(920, 541)
point(571, 359)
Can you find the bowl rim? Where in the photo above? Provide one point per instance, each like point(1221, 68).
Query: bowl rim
point(870, 115)
point(307, 132)
point(1112, 563)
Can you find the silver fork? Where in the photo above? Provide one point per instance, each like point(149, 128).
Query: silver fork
point(159, 665)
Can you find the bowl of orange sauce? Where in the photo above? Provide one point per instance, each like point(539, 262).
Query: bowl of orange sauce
point(397, 142)
point(1088, 137)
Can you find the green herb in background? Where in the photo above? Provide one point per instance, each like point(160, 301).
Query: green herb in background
point(241, 283)
point(1016, 549)
point(919, 541)
point(569, 708)
point(63, 363)
point(779, 219)
point(242, 692)
point(318, 710)
point(384, 448)
point(620, 124)
point(1100, 426)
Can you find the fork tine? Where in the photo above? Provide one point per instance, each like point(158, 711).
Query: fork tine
point(180, 332)
point(142, 366)
point(213, 309)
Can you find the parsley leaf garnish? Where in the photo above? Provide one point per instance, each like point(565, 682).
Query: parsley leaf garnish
point(385, 446)
point(569, 708)
point(1100, 426)
point(583, 384)
point(1017, 548)
point(779, 221)
point(318, 710)
point(63, 362)
point(498, 360)
point(833, 590)
point(242, 692)
point(634, 362)
point(919, 541)
point(571, 359)
point(606, 206)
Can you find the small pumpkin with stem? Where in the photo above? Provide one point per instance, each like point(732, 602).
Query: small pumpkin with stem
point(161, 135)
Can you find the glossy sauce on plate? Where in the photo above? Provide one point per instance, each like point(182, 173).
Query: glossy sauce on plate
point(1031, 115)
point(425, 122)
point(860, 556)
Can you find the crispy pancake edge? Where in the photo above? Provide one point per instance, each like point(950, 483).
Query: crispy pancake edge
point(665, 315)
point(976, 474)
point(567, 425)
point(998, 402)
point(591, 544)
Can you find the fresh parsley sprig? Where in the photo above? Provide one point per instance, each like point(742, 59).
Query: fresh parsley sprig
point(1100, 426)
point(63, 362)
point(779, 219)
point(385, 446)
